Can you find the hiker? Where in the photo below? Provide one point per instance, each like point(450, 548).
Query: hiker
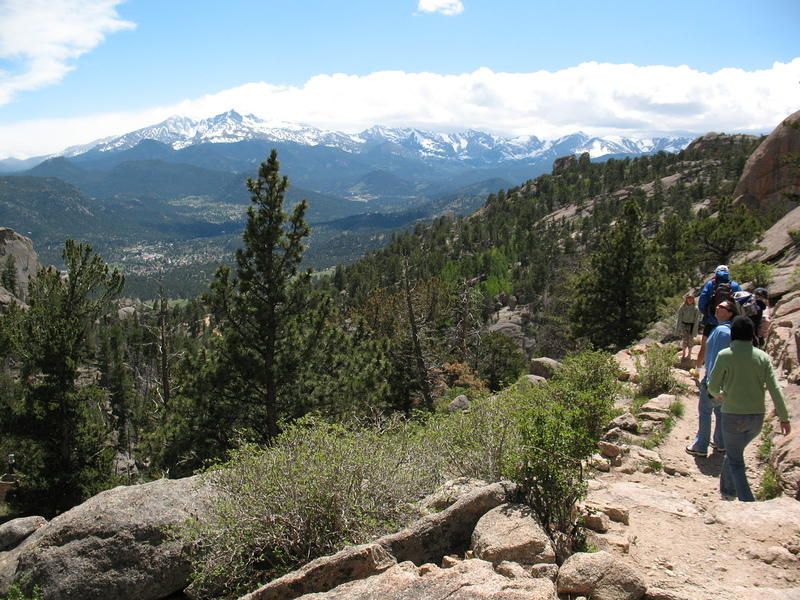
point(719, 339)
point(740, 375)
point(715, 290)
point(762, 321)
point(687, 324)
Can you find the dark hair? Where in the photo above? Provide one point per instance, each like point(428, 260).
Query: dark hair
point(742, 329)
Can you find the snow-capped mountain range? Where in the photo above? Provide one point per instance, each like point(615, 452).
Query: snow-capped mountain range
point(467, 146)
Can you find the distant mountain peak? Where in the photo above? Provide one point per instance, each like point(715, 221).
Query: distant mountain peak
point(472, 145)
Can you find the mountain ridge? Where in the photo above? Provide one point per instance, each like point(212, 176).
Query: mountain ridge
point(180, 132)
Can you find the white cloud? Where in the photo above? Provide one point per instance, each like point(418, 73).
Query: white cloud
point(597, 98)
point(41, 39)
point(446, 7)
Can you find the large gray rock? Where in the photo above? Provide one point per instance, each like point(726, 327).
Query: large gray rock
point(26, 261)
point(767, 177)
point(600, 576)
point(472, 579)
point(114, 545)
point(16, 530)
point(511, 532)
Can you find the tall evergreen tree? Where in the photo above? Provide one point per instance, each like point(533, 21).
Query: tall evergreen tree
point(615, 299)
point(60, 428)
point(264, 312)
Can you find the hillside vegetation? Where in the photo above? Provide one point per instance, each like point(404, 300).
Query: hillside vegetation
point(96, 392)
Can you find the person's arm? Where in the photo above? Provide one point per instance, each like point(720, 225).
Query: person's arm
point(716, 379)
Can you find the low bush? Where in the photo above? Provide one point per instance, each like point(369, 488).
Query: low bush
point(655, 370)
point(318, 488)
point(759, 273)
point(322, 486)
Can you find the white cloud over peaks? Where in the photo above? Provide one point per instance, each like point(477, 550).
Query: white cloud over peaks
point(446, 7)
point(39, 39)
point(596, 98)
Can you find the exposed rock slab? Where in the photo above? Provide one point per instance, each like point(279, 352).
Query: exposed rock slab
point(472, 579)
point(631, 495)
point(322, 574)
point(766, 177)
point(759, 518)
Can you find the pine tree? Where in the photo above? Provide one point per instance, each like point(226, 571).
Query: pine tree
point(264, 312)
point(615, 299)
point(64, 456)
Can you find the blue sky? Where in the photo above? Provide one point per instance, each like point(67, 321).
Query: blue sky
point(75, 70)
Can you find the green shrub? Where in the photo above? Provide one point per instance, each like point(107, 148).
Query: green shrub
point(561, 423)
point(318, 488)
point(655, 371)
point(16, 592)
point(794, 235)
point(770, 485)
point(765, 447)
point(759, 273)
point(322, 486)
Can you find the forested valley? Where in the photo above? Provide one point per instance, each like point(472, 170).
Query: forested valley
point(97, 391)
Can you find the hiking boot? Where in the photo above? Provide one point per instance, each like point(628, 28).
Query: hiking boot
point(693, 452)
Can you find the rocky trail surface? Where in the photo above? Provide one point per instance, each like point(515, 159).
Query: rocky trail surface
point(682, 537)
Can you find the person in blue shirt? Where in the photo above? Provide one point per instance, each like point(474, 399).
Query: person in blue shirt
point(719, 339)
point(705, 304)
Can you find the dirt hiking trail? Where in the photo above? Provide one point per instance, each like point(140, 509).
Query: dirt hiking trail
point(687, 542)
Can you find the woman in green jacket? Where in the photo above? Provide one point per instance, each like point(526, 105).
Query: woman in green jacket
point(740, 375)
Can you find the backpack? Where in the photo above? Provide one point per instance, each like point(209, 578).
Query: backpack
point(747, 303)
point(722, 291)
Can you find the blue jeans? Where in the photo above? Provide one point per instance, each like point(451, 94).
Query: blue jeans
point(704, 410)
point(737, 431)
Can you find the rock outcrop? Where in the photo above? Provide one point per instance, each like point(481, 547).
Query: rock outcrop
point(767, 176)
point(114, 545)
point(26, 262)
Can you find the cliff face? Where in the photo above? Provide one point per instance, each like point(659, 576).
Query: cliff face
point(25, 260)
point(771, 172)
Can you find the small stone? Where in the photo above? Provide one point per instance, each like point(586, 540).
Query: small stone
point(609, 449)
point(449, 561)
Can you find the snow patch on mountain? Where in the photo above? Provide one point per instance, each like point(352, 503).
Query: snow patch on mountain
point(180, 132)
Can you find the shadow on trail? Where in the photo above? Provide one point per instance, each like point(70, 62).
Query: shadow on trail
point(710, 466)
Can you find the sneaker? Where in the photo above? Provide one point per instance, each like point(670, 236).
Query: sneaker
point(716, 448)
point(693, 452)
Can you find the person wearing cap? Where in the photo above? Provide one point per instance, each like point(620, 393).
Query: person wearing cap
point(719, 339)
point(740, 375)
point(705, 304)
point(687, 323)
